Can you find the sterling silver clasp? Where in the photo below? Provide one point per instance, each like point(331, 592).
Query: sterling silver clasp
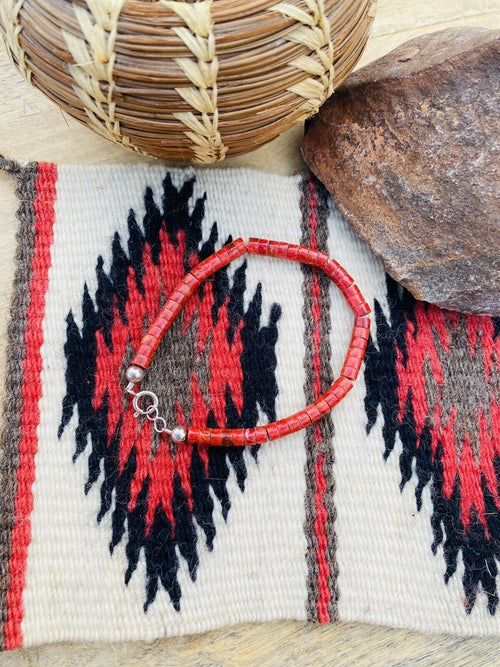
point(146, 404)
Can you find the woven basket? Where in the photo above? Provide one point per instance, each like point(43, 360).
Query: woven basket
point(187, 81)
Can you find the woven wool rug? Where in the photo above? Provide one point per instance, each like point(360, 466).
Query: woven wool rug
point(387, 511)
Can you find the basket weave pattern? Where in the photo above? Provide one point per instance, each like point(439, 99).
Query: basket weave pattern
point(187, 81)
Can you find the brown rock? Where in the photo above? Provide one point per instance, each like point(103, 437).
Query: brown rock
point(409, 149)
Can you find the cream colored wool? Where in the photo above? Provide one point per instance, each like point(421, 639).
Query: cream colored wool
point(258, 569)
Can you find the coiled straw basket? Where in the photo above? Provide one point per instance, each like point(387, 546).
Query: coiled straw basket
point(187, 81)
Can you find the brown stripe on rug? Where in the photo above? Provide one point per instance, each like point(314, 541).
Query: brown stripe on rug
point(320, 484)
point(15, 354)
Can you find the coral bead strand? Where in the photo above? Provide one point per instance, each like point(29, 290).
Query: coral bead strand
point(190, 283)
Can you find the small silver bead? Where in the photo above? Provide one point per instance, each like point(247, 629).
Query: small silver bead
point(134, 373)
point(178, 434)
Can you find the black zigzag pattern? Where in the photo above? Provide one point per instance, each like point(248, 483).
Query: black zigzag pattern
point(94, 432)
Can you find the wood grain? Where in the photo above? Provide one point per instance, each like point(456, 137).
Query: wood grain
point(32, 128)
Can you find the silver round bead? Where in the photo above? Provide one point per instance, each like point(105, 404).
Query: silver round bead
point(178, 434)
point(134, 373)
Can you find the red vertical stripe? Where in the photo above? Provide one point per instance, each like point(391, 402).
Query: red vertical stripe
point(321, 512)
point(319, 528)
point(31, 393)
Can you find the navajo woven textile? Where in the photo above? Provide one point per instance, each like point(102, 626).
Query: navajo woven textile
point(385, 511)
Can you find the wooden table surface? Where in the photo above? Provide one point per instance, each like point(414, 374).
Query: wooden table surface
point(32, 128)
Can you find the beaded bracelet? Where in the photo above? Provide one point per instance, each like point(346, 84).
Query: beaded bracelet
point(177, 300)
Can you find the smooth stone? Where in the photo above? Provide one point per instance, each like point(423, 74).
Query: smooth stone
point(409, 149)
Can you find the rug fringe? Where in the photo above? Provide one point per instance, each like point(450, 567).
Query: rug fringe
point(11, 166)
